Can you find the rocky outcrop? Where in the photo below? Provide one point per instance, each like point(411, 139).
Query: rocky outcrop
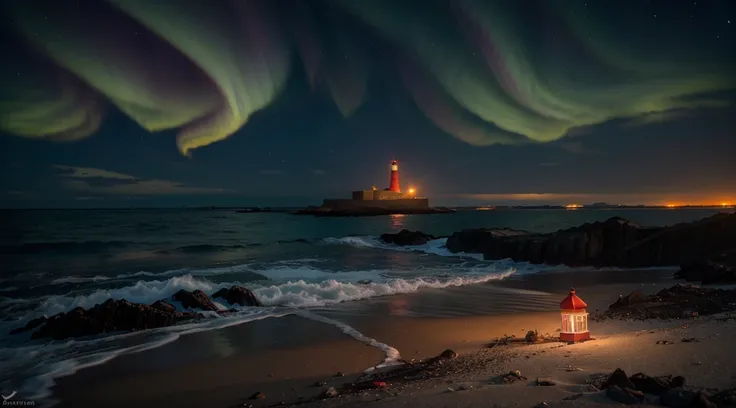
point(589, 244)
point(631, 299)
point(683, 243)
point(121, 315)
point(614, 242)
point(677, 302)
point(406, 237)
point(238, 295)
point(672, 391)
point(479, 240)
point(111, 316)
point(195, 300)
point(368, 211)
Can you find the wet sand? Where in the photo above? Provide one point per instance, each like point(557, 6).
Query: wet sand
point(284, 357)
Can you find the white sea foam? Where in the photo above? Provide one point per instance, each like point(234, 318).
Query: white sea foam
point(311, 294)
point(140, 292)
point(434, 247)
point(393, 356)
point(65, 358)
point(294, 287)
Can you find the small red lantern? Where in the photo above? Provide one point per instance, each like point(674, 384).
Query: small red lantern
point(574, 319)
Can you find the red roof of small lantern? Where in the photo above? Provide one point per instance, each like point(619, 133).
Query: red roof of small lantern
point(572, 302)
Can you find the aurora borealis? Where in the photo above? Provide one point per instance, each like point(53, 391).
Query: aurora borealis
point(485, 72)
point(525, 97)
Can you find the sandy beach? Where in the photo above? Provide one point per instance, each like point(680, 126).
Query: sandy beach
point(224, 368)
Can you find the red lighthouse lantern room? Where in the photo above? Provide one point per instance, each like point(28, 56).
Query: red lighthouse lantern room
point(574, 319)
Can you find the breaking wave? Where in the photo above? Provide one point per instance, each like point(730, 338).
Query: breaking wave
point(304, 286)
point(290, 290)
point(433, 247)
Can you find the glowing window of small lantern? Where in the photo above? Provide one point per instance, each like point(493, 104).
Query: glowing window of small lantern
point(574, 319)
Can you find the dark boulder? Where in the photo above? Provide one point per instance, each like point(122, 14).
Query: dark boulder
point(238, 295)
point(649, 385)
point(632, 298)
point(406, 237)
point(163, 306)
point(111, 316)
point(676, 302)
point(194, 300)
point(618, 378)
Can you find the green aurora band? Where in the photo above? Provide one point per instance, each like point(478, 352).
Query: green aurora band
point(485, 72)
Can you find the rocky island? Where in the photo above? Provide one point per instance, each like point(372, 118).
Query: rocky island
point(391, 200)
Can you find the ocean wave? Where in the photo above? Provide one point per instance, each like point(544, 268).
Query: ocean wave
point(203, 248)
point(298, 287)
point(79, 279)
point(66, 247)
point(295, 288)
point(246, 269)
point(313, 294)
point(433, 247)
point(8, 289)
point(141, 292)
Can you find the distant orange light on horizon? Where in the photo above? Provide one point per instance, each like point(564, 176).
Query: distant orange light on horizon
point(669, 200)
point(723, 204)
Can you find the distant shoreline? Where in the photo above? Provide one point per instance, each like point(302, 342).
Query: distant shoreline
point(456, 208)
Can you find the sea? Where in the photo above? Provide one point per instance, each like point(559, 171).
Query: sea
point(55, 260)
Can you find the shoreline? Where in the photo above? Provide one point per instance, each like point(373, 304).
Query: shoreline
point(265, 356)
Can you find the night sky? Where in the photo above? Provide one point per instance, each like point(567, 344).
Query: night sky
point(141, 103)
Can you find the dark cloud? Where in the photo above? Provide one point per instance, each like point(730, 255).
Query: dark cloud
point(99, 181)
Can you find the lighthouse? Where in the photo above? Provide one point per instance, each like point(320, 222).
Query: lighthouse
point(394, 185)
